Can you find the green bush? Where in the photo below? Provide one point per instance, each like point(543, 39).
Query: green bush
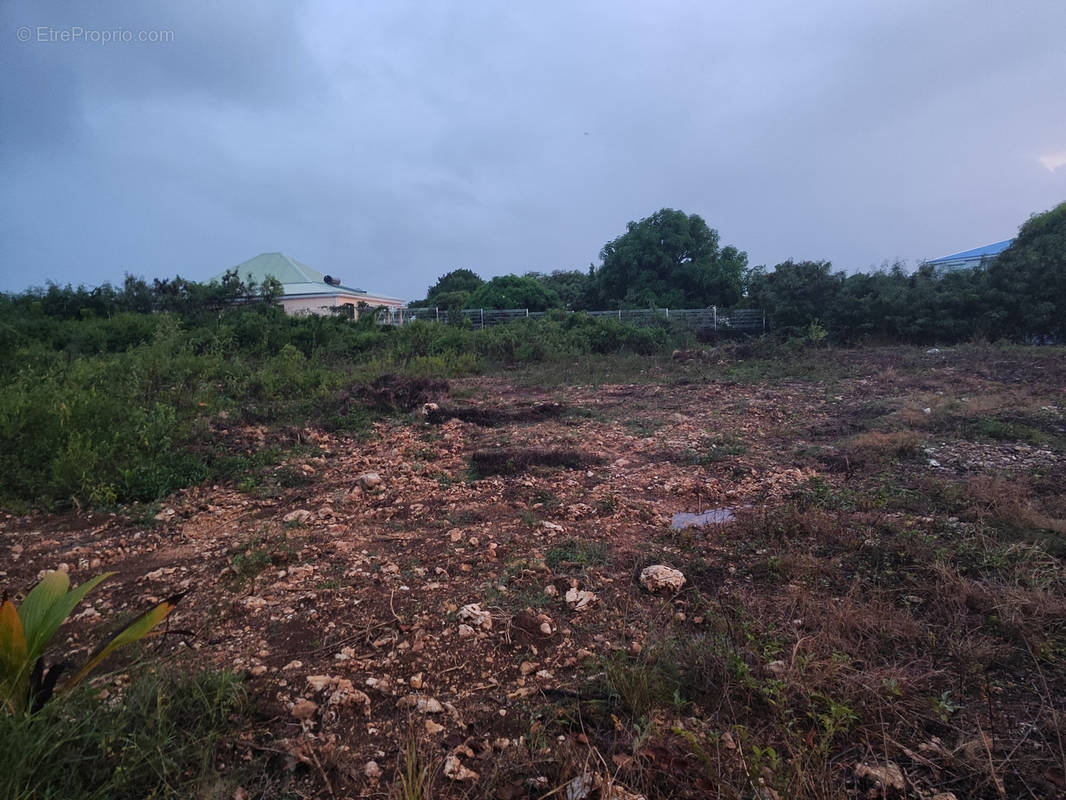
point(99, 410)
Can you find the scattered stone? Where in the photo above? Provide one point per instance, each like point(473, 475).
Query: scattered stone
point(383, 685)
point(415, 681)
point(346, 654)
point(454, 770)
point(432, 728)
point(299, 516)
point(659, 577)
point(372, 770)
point(887, 779)
point(426, 705)
point(580, 787)
point(466, 632)
point(579, 599)
point(345, 694)
point(473, 613)
point(303, 709)
point(777, 668)
point(369, 480)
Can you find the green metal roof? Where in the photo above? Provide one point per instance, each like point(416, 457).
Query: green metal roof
point(296, 278)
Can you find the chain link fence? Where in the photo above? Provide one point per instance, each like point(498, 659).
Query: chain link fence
point(739, 320)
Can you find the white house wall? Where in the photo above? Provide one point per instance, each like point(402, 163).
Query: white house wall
point(322, 304)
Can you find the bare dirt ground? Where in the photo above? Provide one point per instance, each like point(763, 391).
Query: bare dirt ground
point(884, 617)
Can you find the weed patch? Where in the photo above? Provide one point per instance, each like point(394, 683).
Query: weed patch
point(157, 739)
point(576, 553)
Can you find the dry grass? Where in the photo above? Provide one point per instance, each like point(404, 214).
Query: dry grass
point(1009, 502)
point(877, 447)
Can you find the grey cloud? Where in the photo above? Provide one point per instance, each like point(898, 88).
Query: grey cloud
point(392, 142)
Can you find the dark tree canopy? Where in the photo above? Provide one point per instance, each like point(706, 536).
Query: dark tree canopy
point(795, 293)
point(572, 286)
point(512, 291)
point(1028, 279)
point(669, 259)
point(452, 290)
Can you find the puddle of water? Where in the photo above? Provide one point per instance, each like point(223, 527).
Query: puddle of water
point(714, 516)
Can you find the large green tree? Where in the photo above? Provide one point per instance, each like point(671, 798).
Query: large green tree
point(452, 290)
point(572, 286)
point(795, 294)
point(670, 259)
point(512, 291)
point(1027, 282)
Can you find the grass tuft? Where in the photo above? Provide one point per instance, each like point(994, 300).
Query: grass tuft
point(157, 740)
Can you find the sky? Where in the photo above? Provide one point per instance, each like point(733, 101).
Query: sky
point(388, 143)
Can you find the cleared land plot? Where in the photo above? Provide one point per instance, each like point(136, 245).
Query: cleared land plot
point(886, 616)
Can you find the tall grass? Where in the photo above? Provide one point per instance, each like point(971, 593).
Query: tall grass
point(157, 740)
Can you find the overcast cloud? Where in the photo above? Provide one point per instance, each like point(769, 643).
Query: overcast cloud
point(389, 143)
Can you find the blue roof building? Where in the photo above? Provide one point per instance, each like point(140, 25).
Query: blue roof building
point(968, 259)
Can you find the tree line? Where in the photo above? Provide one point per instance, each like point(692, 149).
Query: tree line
point(674, 260)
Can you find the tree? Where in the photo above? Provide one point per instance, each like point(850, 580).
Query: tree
point(669, 259)
point(1027, 282)
point(795, 294)
point(572, 286)
point(452, 290)
point(512, 291)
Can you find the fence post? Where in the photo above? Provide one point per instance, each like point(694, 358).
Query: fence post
point(715, 318)
point(619, 315)
point(482, 319)
point(668, 313)
point(527, 312)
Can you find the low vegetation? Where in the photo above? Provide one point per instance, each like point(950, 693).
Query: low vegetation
point(158, 739)
point(422, 547)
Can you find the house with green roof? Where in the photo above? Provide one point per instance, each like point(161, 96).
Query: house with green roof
point(308, 291)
